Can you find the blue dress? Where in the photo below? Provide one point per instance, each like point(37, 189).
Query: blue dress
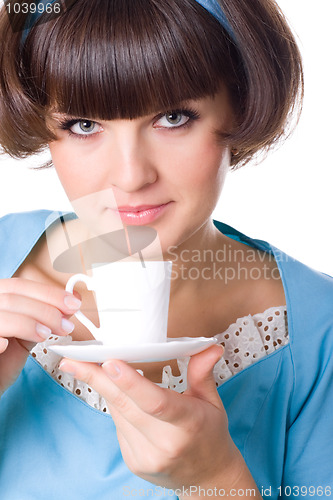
point(55, 446)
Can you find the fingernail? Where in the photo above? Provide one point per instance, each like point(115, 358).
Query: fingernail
point(43, 331)
point(72, 302)
point(67, 325)
point(3, 344)
point(65, 368)
point(111, 369)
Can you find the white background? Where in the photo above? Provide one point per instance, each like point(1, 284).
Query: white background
point(287, 199)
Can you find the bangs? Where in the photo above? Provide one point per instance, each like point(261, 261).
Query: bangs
point(112, 59)
point(123, 59)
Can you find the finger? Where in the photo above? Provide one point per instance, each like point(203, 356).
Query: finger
point(200, 378)
point(126, 432)
point(128, 391)
point(140, 439)
point(138, 452)
point(23, 327)
point(155, 401)
point(31, 319)
point(120, 405)
point(49, 294)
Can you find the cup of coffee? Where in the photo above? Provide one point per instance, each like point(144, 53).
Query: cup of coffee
point(132, 299)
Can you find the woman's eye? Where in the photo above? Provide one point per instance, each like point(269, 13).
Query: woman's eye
point(173, 119)
point(84, 127)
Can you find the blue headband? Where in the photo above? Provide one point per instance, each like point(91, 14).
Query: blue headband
point(215, 9)
point(212, 6)
point(42, 6)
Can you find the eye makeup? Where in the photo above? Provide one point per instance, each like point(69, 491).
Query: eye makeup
point(68, 124)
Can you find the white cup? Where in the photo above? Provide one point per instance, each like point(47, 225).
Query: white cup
point(132, 300)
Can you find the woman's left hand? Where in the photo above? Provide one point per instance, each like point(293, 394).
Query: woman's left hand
point(169, 439)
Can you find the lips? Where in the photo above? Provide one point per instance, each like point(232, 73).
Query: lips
point(140, 208)
point(141, 214)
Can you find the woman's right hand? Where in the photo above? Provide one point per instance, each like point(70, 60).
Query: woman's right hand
point(29, 313)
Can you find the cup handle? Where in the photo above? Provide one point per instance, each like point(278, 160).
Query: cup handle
point(79, 315)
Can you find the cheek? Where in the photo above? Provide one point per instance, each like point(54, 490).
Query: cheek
point(72, 169)
point(60, 158)
point(203, 168)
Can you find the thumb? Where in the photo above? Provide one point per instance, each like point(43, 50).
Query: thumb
point(200, 378)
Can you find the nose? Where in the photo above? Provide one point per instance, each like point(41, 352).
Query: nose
point(131, 161)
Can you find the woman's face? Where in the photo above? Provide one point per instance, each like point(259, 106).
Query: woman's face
point(164, 170)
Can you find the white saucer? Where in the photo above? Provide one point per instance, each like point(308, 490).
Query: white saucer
point(96, 352)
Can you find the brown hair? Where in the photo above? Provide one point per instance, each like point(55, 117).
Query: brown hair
point(111, 59)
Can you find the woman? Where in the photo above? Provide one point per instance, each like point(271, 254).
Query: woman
point(152, 102)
